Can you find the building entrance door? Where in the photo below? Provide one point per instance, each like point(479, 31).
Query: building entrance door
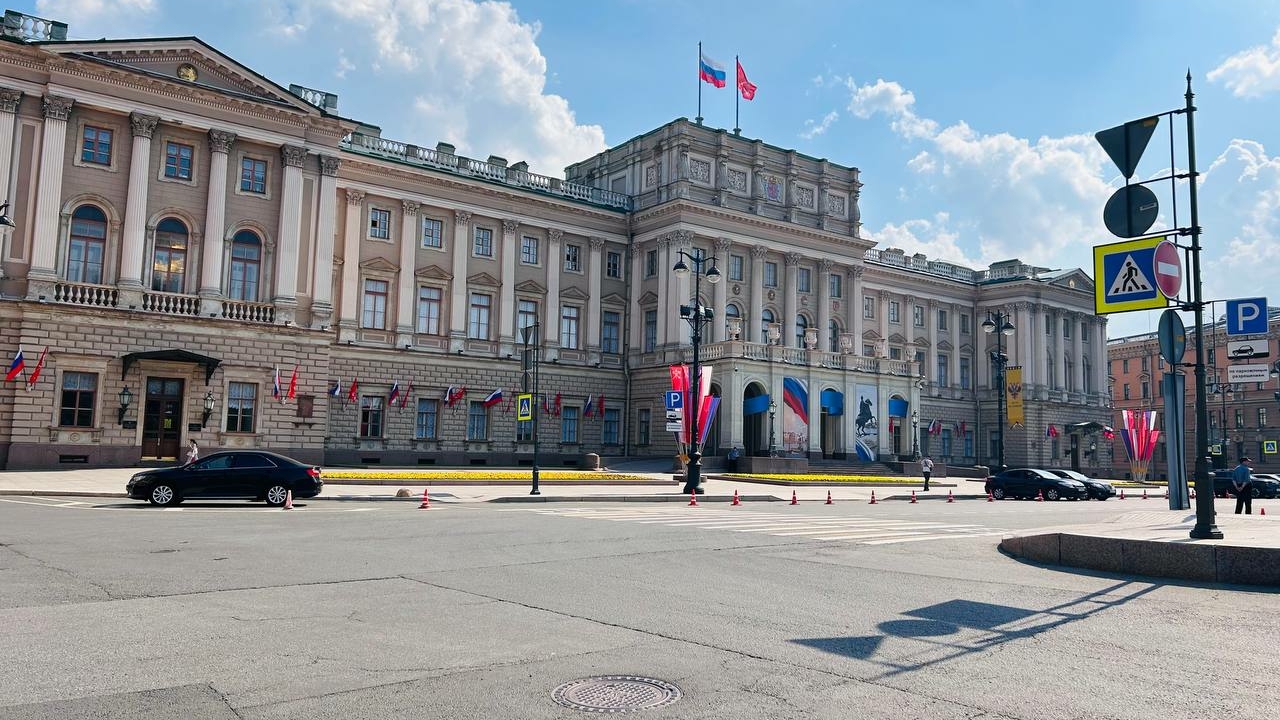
point(161, 419)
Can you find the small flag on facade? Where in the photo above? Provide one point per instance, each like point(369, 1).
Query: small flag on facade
point(35, 373)
point(275, 385)
point(453, 394)
point(1051, 431)
point(588, 407)
point(336, 390)
point(293, 384)
point(404, 399)
point(493, 398)
point(352, 392)
point(394, 396)
point(17, 367)
point(555, 407)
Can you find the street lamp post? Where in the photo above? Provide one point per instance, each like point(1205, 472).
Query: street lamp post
point(698, 318)
point(998, 322)
point(1217, 387)
point(773, 408)
point(529, 362)
point(915, 435)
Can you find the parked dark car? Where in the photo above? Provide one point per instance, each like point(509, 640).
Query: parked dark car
point(235, 474)
point(1098, 489)
point(1264, 486)
point(1030, 482)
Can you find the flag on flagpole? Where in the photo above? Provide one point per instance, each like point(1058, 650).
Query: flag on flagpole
point(600, 406)
point(588, 407)
point(352, 392)
point(17, 367)
point(493, 398)
point(963, 427)
point(275, 385)
point(710, 71)
point(745, 87)
point(293, 384)
point(404, 399)
point(35, 373)
point(555, 407)
point(336, 390)
point(453, 394)
point(1051, 431)
point(394, 396)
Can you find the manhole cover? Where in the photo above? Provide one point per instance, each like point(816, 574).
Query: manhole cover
point(615, 694)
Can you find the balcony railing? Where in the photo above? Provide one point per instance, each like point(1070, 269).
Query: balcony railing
point(171, 303)
point(801, 356)
point(85, 294)
point(249, 312)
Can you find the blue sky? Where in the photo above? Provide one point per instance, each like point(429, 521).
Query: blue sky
point(971, 123)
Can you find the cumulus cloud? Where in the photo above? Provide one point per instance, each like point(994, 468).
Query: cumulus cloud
point(1252, 72)
point(1240, 209)
point(116, 18)
point(344, 65)
point(934, 237)
point(813, 129)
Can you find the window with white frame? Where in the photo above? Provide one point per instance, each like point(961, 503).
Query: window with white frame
point(942, 319)
point(643, 430)
point(572, 257)
point(569, 426)
point(478, 319)
point(610, 331)
point(835, 285)
point(735, 268)
point(651, 263)
point(482, 246)
point(803, 277)
point(87, 245)
point(893, 312)
point(371, 409)
point(964, 373)
point(964, 323)
point(868, 307)
point(432, 233)
point(613, 265)
point(375, 305)
point(241, 401)
point(477, 421)
point(650, 330)
point(177, 160)
point(169, 256)
point(943, 370)
point(430, 300)
point(246, 266)
point(524, 431)
point(96, 145)
point(771, 274)
point(917, 315)
point(379, 224)
point(529, 250)
point(425, 425)
point(569, 315)
point(253, 176)
point(79, 397)
point(526, 315)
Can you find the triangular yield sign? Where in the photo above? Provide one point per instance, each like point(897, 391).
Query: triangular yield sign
point(1131, 279)
point(1126, 143)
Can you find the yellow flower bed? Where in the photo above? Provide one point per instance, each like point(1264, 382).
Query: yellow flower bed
point(472, 475)
point(798, 477)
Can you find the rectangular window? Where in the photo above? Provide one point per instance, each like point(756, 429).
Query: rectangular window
point(379, 224)
point(1146, 363)
point(613, 265)
point(478, 320)
point(569, 426)
point(1084, 335)
point(735, 268)
point(1124, 366)
point(79, 392)
point(1146, 390)
point(425, 424)
point(651, 263)
point(526, 316)
point(1126, 391)
point(1262, 417)
point(642, 428)
point(917, 315)
point(650, 330)
point(944, 364)
point(1066, 328)
point(432, 233)
point(964, 373)
point(993, 447)
point(610, 331)
point(375, 304)
point(371, 416)
point(964, 323)
point(253, 176)
point(177, 160)
point(771, 274)
point(968, 443)
point(802, 280)
point(524, 431)
point(429, 301)
point(569, 327)
point(97, 146)
point(868, 350)
point(612, 427)
point(572, 258)
point(946, 443)
point(893, 312)
point(1048, 325)
point(868, 307)
point(483, 245)
point(942, 319)
point(529, 250)
point(1239, 417)
point(835, 285)
point(895, 353)
point(241, 399)
point(477, 421)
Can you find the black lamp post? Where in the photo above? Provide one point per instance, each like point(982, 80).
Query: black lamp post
point(4, 216)
point(773, 408)
point(998, 322)
point(126, 398)
point(698, 317)
point(915, 435)
point(1222, 390)
point(208, 409)
point(529, 364)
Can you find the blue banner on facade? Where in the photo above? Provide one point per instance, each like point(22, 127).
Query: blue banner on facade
point(832, 401)
point(898, 407)
point(755, 405)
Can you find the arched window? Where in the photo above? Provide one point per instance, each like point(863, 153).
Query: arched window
point(833, 336)
point(731, 311)
point(169, 261)
point(246, 265)
point(1088, 371)
point(766, 319)
point(88, 244)
point(801, 325)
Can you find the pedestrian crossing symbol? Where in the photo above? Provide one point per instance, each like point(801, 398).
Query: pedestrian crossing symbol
point(1124, 276)
point(524, 407)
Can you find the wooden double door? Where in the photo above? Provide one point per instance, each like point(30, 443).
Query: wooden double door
point(162, 418)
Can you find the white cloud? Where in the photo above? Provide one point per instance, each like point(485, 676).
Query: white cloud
point(109, 18)
point(889, 98)
point(1252, 72)
point(933, 237)
point(344, 65)
point(814, 129)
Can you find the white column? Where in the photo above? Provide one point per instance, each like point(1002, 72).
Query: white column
point(9, 101)
point(637, 312)
point(458, 285)
point(908, 318)
point(1024, 333)
point(43, 272)
point(286, 296)
point(755, 328)
point(1036, 329)
point(720, 292)
point(680, 332)
point(220, 143)
point(789, 299)
point(1059, 351)
point(507, 336)
point(854, 309)
point(555, 265)
point(664, 290)
point(322, 278)
point(1077, 349)
point(954, 328)
point(351, 239)
point(824, 306)
point(931, 322)
point(884, 325)
point(1100, 356)
point(406, 290)
point(135, 212)
point(595, 278)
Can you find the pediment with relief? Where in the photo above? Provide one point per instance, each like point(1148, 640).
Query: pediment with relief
point(379, 265)
point(649, 298)
point(573, 293)
point(433, 272)
point(613, 299)
point(531, 287)
point(483, 278)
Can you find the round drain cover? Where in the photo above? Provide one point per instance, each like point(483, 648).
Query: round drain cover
point(615, 694)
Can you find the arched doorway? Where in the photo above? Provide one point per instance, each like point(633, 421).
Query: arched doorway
point(832, 406)
point(755, 420)
point(899, 437)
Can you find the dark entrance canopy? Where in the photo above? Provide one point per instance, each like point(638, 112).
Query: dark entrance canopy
point(182, 356)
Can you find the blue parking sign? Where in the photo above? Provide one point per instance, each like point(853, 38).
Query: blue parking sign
point(675, 400)
point(1247, 316)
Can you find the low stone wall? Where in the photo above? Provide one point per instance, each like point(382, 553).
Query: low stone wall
point(771, 465)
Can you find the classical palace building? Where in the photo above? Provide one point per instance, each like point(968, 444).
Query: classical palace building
point(186, 231)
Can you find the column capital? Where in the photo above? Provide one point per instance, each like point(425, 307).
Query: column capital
point(329, 165)
point(293, 155)
point(758, 252)
point(220, 141)
point(410, 208)
point(355, 197)
point(509, 226)
point(682, 238)
point(9, 99)
point(555, 234)
point(885, 294)
point(932, 303)
point(723, 244)
point(825, 265)
point(597, 242)
point(909, 299)
point(664, 242)
point(56, 107)
point(856, 272)
point(792, 259)
point(633, 250)
point(143, 125)
point(462, 217)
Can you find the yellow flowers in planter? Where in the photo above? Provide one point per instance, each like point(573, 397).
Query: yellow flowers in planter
point(468, 475)
point(818, 477)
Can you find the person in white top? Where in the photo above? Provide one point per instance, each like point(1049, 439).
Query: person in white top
point(193, 453)
point(926, 466)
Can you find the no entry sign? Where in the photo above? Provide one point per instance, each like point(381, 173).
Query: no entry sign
point(1167, 268)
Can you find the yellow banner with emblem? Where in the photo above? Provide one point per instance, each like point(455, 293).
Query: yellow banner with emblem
point(1013, 396)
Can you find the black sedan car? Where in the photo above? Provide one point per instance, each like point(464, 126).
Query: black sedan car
point(1098, 489)
point(234, 474)
point(1264, 486)
point(1030, 482)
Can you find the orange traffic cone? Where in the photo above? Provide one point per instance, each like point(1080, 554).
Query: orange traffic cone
point(873, 498)
point(288, 499)
point(736, 501)
point(1262, 511)
point(913, 497)
point(829, 501)
point(1039, 496)
point(794, 500)
point(1121, 493)
point(693, 499)
point(426, 501)
point(950, 498)
point(989, 497)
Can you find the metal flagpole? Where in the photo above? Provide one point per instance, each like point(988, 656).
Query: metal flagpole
point(737, 96)
point(699, 118)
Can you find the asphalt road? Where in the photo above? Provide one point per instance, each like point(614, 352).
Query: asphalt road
point(379, 610)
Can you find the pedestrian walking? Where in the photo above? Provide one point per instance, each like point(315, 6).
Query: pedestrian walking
point(193, 453)
point(1242, 482)
point(926, 466)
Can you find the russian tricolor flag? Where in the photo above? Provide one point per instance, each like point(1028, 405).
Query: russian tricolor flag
point(17, 367)
point(711, 71)
point(493, 398)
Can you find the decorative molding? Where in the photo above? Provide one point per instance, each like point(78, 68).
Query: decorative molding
point(355, 197)
point(329, 165)
point(597, 242)
point(509, 226)
point(664, 242)
point(555, 234)
point(220, 141)
point(56, 107)
point(531, 287)
point(723, 244)
point(758, 252)
point(792, 259)
point(462, 217)
point(433, 272)
point(825, 265)
point(484, 279)
point(10, 99)
point(410, 207)
point(293, 155)
point(143, 125)
point(682, 238)
point(379, 265)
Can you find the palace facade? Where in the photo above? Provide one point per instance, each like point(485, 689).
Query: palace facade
point(185, 230)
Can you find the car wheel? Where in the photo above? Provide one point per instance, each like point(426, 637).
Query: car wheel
point(1051, 494)
point(1255, 492)
point(997, 493)
point(276, 494)
point(1102, 497)
point(163, 495)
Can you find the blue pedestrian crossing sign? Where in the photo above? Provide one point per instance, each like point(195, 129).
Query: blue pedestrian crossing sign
point(1124, 276)
point(524, 407)
point(675, 400)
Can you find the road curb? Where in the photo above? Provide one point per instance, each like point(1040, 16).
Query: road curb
point(635, 498)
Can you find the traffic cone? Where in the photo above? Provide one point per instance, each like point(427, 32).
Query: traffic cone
point(913, 497)
point(426, 501)
point(873, 498)
point(736, 501)
point(950, 498)
point(1121, 493)
point(1166, 493)
point(829, 501)
point(288, 499)
point(1039, 496)
point(693, 499)
point(990, 498)
point(794, 500)
point(1262, 511)
point(1144, 493)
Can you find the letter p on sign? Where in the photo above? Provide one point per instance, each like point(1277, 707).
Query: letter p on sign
point(1247, 316)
